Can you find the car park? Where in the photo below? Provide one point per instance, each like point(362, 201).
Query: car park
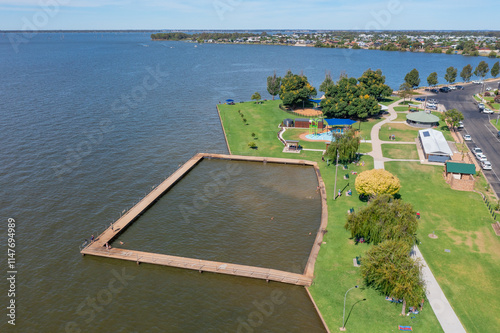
point(467, 137)
point(486, 110)
point(486, 165)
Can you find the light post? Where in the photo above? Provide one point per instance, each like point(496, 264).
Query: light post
point(336, 168)
point(343, 316)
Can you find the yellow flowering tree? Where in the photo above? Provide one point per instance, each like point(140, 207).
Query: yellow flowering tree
point(377, 181)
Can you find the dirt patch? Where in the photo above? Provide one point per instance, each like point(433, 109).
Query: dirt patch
point(309, 112)
point(433, 236)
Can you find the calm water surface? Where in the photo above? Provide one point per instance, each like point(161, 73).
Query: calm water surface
point(89, 122)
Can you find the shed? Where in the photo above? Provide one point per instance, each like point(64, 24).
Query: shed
point(422, 119)
point(288, 122)
point(460, 176)
point(434, 145)
point(306, 123)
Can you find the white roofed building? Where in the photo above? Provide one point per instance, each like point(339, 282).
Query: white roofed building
point(434, 145)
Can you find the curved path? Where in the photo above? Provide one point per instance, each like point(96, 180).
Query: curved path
point(437, 299)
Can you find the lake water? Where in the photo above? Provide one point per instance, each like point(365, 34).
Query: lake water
point(90, 122)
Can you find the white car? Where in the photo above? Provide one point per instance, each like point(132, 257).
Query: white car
point(481, 157)
point(460, 125)
point(467, 137)
point(477, 150)
point(488, 88)
point(452, 88)
point(486, 165)
point(486, 110)
point(475, 82)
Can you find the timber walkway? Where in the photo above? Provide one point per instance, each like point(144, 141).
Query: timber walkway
point(99, 247)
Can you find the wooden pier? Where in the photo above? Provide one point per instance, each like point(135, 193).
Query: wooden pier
point(98, 247)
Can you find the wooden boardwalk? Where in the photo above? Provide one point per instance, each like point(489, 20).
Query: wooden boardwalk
point(98, 247)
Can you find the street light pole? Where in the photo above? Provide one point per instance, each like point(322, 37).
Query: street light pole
point(343, 316)
point(336, 168)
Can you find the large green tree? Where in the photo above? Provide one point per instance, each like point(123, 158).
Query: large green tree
point(372, 83)
point(384, 218)
point(346, 144)
point(451, 74)
point(482, 69)
point(295, 89)
point(327, 83)
point(432, 79)
point(413, 78)
point(452, 117)
point(495, 69)
point(466, 73)
point(350, 99)
point(389, 268)
point(273, 85)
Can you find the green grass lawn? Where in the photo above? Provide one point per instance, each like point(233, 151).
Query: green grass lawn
point(468, 274)
point(334, 272)
point(402, 132)
point(365, 147)
point(477, 98)
point(389, 100)
point(366, 127)
point(443, 127)
point(494, 123)
point(400, 108)
point(397, 151)
point(401, 116)
point(409, 102)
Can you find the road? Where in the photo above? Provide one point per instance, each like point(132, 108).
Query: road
point(484, 135)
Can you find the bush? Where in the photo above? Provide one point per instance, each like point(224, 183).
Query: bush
point(252, 145)
point(377, 181)
point(497, 99)
point(487, 93)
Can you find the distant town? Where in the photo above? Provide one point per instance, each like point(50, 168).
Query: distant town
point(477, 43)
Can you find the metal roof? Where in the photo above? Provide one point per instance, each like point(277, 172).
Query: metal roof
point(422, 117)
point(463, 168)
point(434, 142)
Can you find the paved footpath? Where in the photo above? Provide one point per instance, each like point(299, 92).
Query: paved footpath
point(438, 301)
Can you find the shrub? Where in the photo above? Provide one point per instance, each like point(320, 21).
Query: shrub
point(377, 181)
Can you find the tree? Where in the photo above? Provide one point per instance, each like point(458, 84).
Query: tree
point(383, 219)
point(466, 73)
point(452, 117)
point(347, 99)
point(256, 97)
point(495, 69)
point(432, 79)
point(372, 83)
point(389, 269)
point(327, 83)
point(492, 54)
point(405, 91)
point(451, 74)
point(481, 69)
point(295, 89)
point(273, 85)
point(377, 181)
point(413, 78)
point(347, 145)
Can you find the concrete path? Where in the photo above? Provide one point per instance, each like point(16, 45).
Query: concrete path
point(438, 301)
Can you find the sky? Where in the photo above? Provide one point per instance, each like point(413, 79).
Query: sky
point(249, 14)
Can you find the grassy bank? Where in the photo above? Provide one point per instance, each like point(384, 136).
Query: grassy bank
point(334, 273)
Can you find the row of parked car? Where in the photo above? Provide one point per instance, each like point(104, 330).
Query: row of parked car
point(485, 164)
point(445, 89)
point(484, 109)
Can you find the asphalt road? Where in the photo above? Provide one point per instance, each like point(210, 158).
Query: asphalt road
point(484, 135)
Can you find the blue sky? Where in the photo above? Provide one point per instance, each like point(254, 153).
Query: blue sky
point(249, 14)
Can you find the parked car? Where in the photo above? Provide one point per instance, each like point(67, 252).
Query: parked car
point(498, 134)
point(420, 99)
point(481, 157)
point(460, 87)
point(480, 106)
point(452, 88)
point(444, 89)
point(467, 137)
point(488, 88)
point(486, 165)
point(432, 100)
point(460, 125)
point(477, 150)
point(435, 91)
point(486, 110)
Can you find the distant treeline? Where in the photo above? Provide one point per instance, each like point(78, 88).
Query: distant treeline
point(201, 36)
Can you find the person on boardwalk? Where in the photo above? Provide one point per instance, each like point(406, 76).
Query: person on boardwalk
point(112, 229)
point(92, 239)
